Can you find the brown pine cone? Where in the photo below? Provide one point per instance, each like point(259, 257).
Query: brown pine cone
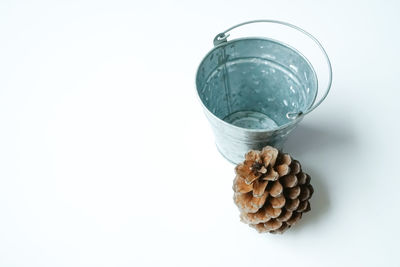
point(271, 190)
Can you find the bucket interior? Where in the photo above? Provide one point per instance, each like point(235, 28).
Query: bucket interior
point(253, 83)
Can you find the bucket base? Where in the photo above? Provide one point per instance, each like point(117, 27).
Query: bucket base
point(251, 120)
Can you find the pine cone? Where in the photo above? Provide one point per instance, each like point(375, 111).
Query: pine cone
point(271, 190)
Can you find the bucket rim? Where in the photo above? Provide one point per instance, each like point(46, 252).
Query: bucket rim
point(294, 121)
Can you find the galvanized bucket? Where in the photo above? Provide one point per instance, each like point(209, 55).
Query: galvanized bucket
point(256, 90)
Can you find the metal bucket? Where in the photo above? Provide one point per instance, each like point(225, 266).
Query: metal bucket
point(256, 90)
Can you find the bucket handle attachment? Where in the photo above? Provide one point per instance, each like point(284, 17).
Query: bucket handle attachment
point(223, 36)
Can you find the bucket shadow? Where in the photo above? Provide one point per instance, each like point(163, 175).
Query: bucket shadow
point(308, 139)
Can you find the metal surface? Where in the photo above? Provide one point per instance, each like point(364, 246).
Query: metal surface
point(223, 36)
point(254, 91)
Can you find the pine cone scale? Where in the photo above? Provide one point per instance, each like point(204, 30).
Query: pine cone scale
point(240, 186)
point(259, 187)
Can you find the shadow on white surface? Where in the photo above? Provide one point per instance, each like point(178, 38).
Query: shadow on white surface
point(316, 146)
point(330, 136)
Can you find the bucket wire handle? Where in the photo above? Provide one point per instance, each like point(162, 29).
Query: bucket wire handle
point(223, 36)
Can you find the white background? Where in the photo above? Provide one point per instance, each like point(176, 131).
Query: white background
point(106, 158)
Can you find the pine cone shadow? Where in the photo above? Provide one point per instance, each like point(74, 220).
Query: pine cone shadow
point(319, 202)
point(327, 139)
